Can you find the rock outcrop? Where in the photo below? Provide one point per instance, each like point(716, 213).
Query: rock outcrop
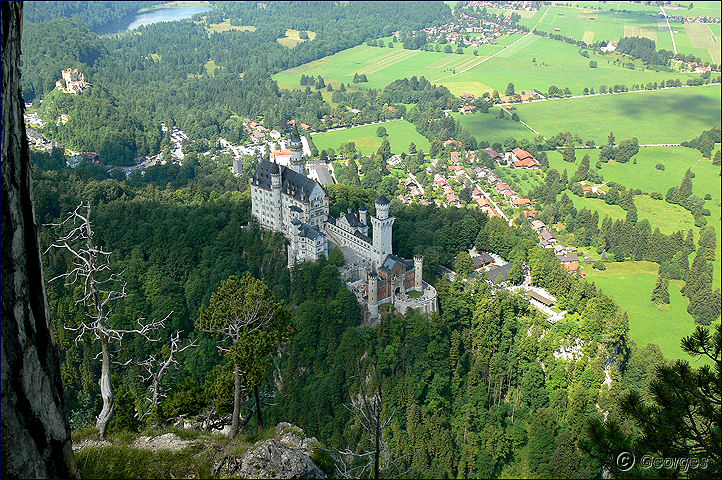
point(285, 456)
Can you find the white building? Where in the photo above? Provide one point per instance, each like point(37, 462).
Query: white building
point(287, 201)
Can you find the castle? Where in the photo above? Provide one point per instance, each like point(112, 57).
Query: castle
point(72, 81)
point(285, 200)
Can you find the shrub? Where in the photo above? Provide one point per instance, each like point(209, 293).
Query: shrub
point(599, 265)
point(659, 166)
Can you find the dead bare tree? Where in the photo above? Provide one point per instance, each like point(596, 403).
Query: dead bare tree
point(374, 457)
point(101, 287)
point(156, 369)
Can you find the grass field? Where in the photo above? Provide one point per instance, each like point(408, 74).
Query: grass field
point(701, 36)
point(667, 217)
point(537, 63)
point(646, 177)
point(292, 38)
point(225, 26)
point(532, 62)
point(401, 134)
point(631, 284)
point(662, 116)
point(384, 65)
point(643, 174)
point(485, 126)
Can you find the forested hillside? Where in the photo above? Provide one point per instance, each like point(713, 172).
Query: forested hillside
point(149, 78)
point(491, 385)
point(478, 390)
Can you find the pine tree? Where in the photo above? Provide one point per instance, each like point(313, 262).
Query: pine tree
point(680, 421)
point(583, 170)
point(660, 294)
point(632, 215)
point(569, 154)
point(610, 140)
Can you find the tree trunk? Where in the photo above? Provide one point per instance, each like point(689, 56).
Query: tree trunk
point(106, 391)
point(258, 407)
point(377, 452)
point(236, 402)
point(36, 439)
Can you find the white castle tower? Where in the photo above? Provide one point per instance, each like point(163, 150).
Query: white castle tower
point(296, 148)
point(276, 197)
point(382, 226)
point(373, 295)
point(418, 272)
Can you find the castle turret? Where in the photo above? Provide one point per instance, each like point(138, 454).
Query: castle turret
point(276, 196)
point(296, 148)
point(382, 229)
point(373, 294)
point(418, 272)
point(362, 212)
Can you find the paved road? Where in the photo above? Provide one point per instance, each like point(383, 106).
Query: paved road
point(674, 45)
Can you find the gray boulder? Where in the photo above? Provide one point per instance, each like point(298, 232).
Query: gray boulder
point(286, 456)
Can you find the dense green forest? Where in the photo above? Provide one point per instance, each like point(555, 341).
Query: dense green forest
point(145, 79)
point(480, 389)
point(485, 387)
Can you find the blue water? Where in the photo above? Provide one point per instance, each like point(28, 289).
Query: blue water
point(165, 15)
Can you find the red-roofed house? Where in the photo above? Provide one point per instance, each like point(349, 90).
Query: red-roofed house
point(524, 159)
point(518, 202)
point(500, 187)
point(456, 168)
point(455, 157)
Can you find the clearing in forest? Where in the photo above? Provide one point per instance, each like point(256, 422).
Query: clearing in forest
point(292, 38)
point(225, 26)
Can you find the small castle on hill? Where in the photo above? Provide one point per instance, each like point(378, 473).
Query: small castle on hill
point(285, 200)
point(72, 81)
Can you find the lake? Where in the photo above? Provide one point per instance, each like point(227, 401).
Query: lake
point(165, 15)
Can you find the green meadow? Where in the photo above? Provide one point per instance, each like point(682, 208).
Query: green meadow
point(537, 63)
point(530, 62)
point(667, 217)
point(401, 134)
point(646, 177)
point(631, 284)
point(486, 126)
point(384, 65)
point(662, 116)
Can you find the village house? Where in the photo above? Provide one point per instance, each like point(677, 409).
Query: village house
point(257, 136)
point(523, 159)
point(518, 202)
point(499, 275)
point(538, 225)
point(548, 239)
point(539, 300)
point(609, 47)
point(570, 262)
point(496, 156)
point(482, 260)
